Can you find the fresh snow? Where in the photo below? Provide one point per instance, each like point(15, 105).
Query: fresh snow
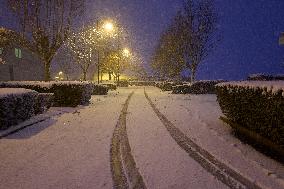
point(5, 92)
point(71, 149)
point(273, 86)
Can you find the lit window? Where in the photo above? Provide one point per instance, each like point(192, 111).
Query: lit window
point(1, 50)
point(18, 53)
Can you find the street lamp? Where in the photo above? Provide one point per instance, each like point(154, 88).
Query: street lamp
point(126, 52)
point(107, 27)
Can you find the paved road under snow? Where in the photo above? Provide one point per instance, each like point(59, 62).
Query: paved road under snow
point(135, 138)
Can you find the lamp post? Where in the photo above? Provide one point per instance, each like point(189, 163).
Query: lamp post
point(107, 27)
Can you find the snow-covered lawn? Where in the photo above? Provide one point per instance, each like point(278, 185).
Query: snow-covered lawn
point(198, 117)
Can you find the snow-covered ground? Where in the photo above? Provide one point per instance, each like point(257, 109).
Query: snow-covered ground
point(198, 117)
point(161, 162)
point(67, 151)
point(72, 148)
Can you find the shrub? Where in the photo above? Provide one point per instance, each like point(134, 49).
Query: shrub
point(71, 93)
point(167, 86)
point(100, 90)
point(203, 87)
point(16, 105)
point(43, 102)
point(142, 83)
point(181, 89)
point(66, 93)
point(256, 106)
point(199, 87)
point(110, 86)
point(123, 83)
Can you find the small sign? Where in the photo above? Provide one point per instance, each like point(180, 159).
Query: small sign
point(281, 39)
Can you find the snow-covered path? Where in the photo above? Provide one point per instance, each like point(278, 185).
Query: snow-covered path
point(162, 163)
point(132, 139)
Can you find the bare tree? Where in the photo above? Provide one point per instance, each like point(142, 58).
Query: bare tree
point(115, 62)
point(83, 49)
point(197, 25)
point(45, 25)
point(189, 39)
point(166, 60)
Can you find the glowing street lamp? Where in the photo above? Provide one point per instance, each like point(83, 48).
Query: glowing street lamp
point(108, 26)
point(126, 52)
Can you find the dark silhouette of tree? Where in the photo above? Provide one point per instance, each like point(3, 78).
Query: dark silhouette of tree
point(189, 39)
point(45, 25)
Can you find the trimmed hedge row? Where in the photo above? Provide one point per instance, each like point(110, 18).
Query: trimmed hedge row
point(142, 83)
point(110, 86)
point(167, 86)
point(66, 93)
point(258, 107)
point(181, 89)
point(199, 87)
point(100, 89)
point(20, 104)
point(123, 83)
point(264, 77)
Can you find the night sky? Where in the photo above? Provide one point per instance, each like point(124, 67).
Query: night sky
point(249, 28)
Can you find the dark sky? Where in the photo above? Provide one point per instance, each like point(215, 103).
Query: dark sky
point(249, 29)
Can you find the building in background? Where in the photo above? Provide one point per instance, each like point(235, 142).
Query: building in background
point(20, 64)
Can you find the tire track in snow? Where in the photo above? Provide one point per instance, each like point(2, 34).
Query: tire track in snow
point(220, 170)
point(123, 166)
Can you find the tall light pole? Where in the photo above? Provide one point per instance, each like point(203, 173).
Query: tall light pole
point(98, 51)
point(107, 27)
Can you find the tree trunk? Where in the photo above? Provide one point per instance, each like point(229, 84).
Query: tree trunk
point(109, 76)
point(98, 74)
point(47, 70)
point(193, 74)
point(84, 75)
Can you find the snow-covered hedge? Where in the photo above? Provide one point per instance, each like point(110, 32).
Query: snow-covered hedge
point(167, 86)
point(181, 89)
point(257, 106)
point(110, 86)
point(123, 83)
point(43, 102)
point(264, 77)
point(198, 87)
point(18, 104)
point(142, 83)
point(100, 89)
point(66, 93)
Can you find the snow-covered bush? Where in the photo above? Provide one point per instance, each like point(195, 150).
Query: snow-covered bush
point(100, 90)
point(257, 106)
point(66, 93)
point(71, 93)
point(181, 89)
point(43, 102)
point(167, 86)
point(123, 83)
point(264, 77)
point(110, 86)
point(198, 87)
point(142, 83)
point(16, 105)
point(204, 87)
